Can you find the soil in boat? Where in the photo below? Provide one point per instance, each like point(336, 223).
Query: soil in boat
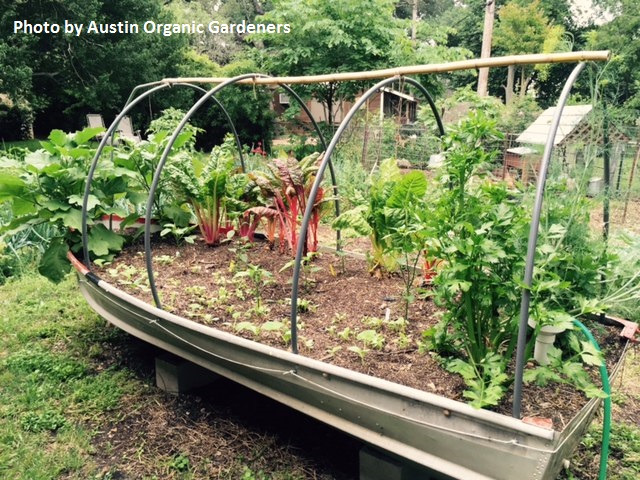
point(347, 316)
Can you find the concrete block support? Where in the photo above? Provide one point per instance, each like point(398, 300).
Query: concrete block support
point(378, 465)
point(374, 465)
point(176, 375)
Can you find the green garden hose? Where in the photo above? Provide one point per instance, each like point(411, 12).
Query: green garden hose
point(606, 422)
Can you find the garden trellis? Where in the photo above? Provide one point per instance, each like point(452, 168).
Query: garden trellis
point(298, 367)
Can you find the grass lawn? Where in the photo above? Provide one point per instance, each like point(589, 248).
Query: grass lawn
point(78, 401)
point(32, 145)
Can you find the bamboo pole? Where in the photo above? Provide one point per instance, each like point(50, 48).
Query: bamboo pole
point(540, 58)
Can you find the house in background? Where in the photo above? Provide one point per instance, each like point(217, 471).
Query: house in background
point(386, 103)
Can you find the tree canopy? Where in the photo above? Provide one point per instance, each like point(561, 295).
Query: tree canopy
point(330, 37)
point(57, 78)
point(62, 76)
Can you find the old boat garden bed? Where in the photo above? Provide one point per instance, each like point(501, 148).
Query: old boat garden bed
point(347, 316)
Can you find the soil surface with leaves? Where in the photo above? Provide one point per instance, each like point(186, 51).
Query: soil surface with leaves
point(346, 315)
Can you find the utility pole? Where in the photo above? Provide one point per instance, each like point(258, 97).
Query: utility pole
point(487, 35)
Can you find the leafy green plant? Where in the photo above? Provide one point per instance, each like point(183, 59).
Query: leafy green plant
point(259, 277)
point(371, 338)
point(244, 205)
point(361, 352)
point(485, 379)
point(204, 186)
point(279, 327)
point(47, 187)
point(308, 268)
point(571, 261)
point(394, 219)
point(286, 186)
point(477, 230)
point(248, 327)
point(569, 368)
point(142, 159)
point(621, 288)
point(370, 218)
point(180, 234)
point(406, 212)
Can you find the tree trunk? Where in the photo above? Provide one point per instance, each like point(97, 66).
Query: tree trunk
point(487, 35)
point(330, 104)
point(523, 83)
point(257, 6)
point(508, 91)
point(414, 21)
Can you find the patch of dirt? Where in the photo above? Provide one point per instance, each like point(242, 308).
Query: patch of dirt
point(211, 286)
point(215, 432)
point(620, 218)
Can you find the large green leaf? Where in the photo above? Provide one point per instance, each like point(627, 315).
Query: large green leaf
point(354, 219)
point(92, 201)
point(54, 264)
point(21, 206)
point(389, 171)
point(10, 186)
point(70, 219)
point(102, 240)
point(58, 138)
point(408, 190)
point(82, 137)
point(38, 160)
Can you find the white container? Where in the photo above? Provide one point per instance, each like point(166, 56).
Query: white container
point(595, 186)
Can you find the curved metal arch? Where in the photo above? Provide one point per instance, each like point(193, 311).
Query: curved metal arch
point(130, 103)
point(203, 91)
point(533, 240)
point(163, 159)
point(316, 186)
point(158, 172)
point(87, 188)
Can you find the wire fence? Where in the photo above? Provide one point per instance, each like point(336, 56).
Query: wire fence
point(418, 149)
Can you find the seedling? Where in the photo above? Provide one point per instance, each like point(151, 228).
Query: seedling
point(248, 327)
point(331, 352)
point(259, 277)
point(361, 352)
point(374, 323)
point(371, 338)
point(307, 269)
point(345, 334)
point(399, 325)
point(179, 234)
point(164, 259)
point(305, 306)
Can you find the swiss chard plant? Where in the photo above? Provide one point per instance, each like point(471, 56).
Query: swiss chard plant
point(285, 186)
point(142, 159)
point(47, 187)
point(203, 184)
point(374, 219)
point(244, 205)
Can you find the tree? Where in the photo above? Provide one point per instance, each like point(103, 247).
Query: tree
point(523, 28)
point(621, 77)
point(330, 37)
point(487, 40)
point(64, 76)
